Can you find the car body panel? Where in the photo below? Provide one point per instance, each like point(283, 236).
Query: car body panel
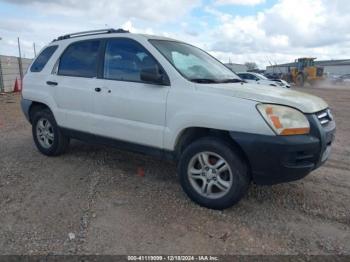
point(162, 113)
point(267, 94)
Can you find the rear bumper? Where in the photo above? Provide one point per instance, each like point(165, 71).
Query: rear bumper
point(25, 106)
point(278, 159)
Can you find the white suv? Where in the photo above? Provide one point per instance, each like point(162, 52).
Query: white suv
point(166, 98)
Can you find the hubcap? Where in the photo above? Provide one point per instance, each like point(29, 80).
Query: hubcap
point(44, 133)
point(210, 175)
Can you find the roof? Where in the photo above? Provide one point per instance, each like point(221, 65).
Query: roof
point(333, 62)
point(319, 63)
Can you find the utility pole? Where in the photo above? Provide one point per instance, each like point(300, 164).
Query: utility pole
point(34, 49)
point(20, 61)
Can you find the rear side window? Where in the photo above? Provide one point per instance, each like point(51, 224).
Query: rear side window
point(80, 59)
point(42, 58)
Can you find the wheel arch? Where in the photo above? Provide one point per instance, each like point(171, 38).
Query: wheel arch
point(191, 134)
point(35, 106)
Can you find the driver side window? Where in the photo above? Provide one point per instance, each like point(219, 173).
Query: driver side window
point(124, 60)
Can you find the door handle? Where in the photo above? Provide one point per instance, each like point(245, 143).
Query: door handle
point(98, 89)
point(51, 83)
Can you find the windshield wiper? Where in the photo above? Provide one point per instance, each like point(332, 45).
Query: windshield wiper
point(213, 81)
point(232, 80)
point(204, 80)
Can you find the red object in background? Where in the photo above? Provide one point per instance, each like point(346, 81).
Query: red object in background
point(141, 171)
point(18, 86)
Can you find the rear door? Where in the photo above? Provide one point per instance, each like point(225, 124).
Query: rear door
point(127, 108)
point(73, 84)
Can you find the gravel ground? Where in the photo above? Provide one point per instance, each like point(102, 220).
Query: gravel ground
point(92, 201)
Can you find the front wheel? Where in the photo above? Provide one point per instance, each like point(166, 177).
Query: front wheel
point(212, 174)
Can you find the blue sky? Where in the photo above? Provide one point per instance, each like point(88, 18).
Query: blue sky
point(261, 31)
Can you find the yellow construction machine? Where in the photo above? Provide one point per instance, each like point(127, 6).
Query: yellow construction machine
point(306, 71)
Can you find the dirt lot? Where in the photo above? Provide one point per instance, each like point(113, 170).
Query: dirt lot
point(92, 201)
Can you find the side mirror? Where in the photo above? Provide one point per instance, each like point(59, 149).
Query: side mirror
point(152, 76)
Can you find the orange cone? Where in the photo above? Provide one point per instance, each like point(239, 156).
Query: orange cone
point(18, 86)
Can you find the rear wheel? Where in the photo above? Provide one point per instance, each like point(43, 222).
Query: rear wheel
point(47, 135)
point(212, 174)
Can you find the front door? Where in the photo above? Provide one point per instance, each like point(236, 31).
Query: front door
point(127, 108)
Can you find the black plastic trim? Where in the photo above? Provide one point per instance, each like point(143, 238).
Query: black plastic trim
point(279, 159)
point(124, 145)
point(90, 33)
point(25, 106)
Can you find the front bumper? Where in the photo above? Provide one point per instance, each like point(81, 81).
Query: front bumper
point(278, 159)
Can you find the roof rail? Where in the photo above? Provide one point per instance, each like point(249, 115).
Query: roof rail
point(91, 32)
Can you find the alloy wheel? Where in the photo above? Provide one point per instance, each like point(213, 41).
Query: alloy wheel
point(210, 175)
point(45, 133)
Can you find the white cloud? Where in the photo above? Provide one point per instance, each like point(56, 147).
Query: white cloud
point(65, 16)
point(286, 31)
point(162, 10)
point(281, 33)
point(239, 2)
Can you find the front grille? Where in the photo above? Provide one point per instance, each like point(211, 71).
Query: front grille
point(324, 117)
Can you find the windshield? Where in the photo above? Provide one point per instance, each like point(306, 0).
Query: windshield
point(195, 64)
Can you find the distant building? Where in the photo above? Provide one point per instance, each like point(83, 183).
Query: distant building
point(331, 67)
point(10, 70)
point(237, 67)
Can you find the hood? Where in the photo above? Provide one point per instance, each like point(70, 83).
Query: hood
point(268, 94)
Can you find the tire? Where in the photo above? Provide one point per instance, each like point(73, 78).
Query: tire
point(50, 141)
point(300, 80)
point(233, 182)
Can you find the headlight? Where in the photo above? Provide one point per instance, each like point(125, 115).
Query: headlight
point(284, 120)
